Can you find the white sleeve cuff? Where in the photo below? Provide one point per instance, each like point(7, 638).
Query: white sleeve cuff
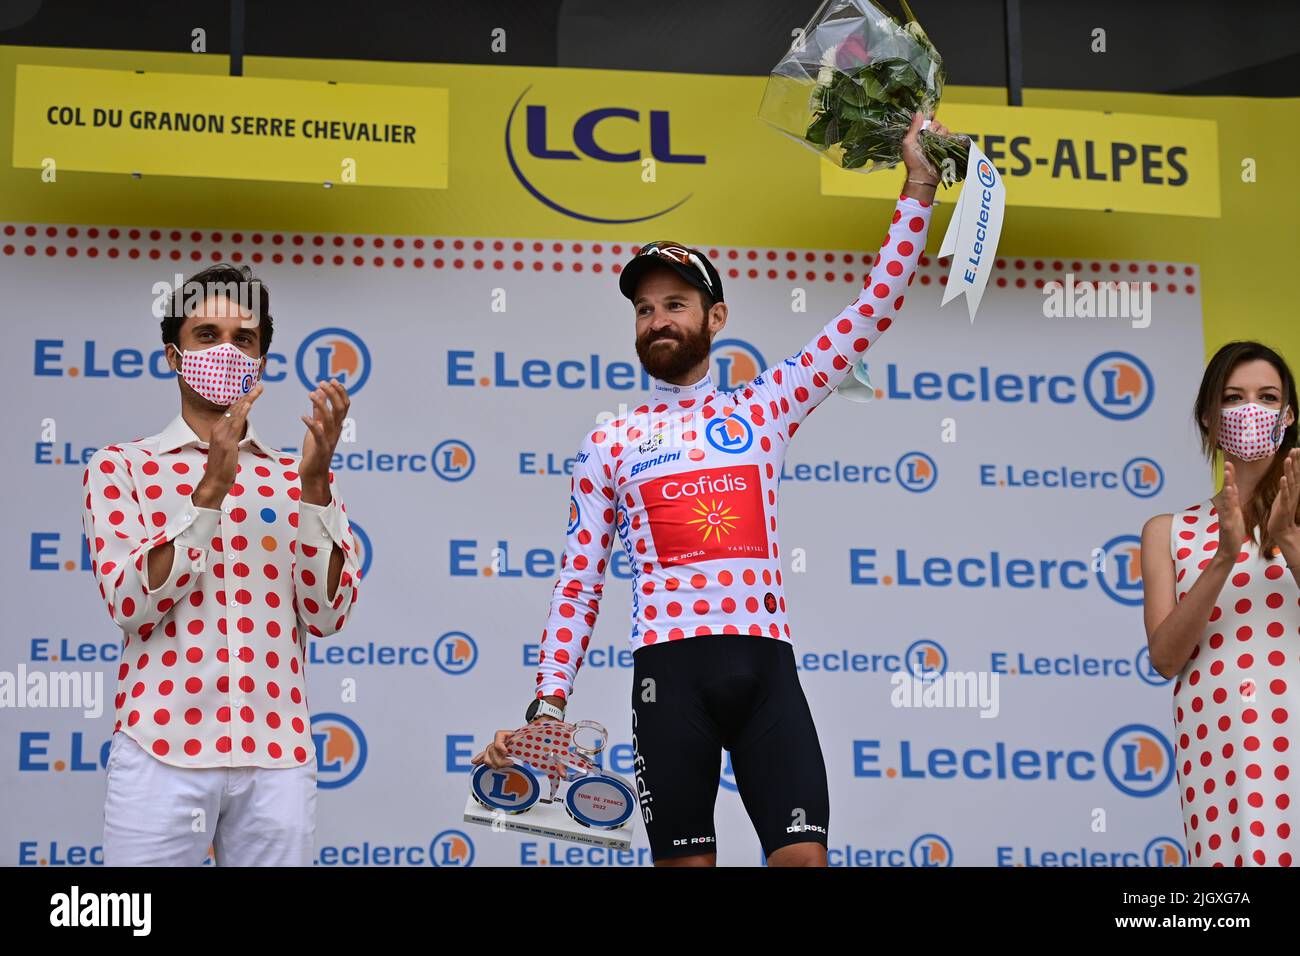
point(194, 527)
point(320, 525)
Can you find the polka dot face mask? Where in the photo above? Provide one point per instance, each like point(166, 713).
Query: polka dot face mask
point(221, 374)
point(1251, 431)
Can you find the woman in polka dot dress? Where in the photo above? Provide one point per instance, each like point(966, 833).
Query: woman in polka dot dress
point(1222, 606)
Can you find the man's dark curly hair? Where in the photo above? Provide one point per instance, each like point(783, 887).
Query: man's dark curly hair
point(223, 276)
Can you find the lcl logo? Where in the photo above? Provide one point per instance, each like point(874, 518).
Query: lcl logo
point(583, 140)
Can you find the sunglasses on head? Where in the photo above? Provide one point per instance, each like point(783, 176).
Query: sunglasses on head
point(675, 252)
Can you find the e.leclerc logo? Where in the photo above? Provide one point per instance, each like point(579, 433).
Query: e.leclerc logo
point(451, 848)
point(1117, 385)
point(1139, 760)
point(731, 434)
point(542, 149)
point(734, 363)
point(333, 353)
point(926, 660)
point(1143, 477)
point(1120, 573)
point(340, 750)
point(455, 653)
point(916, 471)
point(453, 460)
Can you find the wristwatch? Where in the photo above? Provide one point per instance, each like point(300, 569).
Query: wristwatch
point(540, 708)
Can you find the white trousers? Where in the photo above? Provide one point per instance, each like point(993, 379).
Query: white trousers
point(159, 815)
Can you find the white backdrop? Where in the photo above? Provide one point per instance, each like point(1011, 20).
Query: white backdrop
point(438, 649)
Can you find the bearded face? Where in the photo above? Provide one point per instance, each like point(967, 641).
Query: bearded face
point(672, 326)
point(670, 352)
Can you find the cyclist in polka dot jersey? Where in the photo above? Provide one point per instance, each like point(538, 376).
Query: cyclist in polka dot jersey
point(1222, 608)
point(218, 556)
point(686, 484)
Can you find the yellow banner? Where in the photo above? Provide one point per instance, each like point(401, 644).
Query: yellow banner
point(230, 127)
point(1074, 159)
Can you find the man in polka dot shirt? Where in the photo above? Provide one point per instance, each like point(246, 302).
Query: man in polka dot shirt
point(687, 484)
point(218, 556)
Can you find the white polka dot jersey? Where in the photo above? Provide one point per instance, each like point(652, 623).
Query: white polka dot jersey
point(687, 484)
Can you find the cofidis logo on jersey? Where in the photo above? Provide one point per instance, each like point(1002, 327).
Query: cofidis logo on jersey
point(1117, 385)
point(340, 750)
point(735, 362)
point(706, 514)
point(562, 159)
point(333, 353)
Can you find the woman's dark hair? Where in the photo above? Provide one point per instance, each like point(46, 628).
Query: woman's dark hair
point(225, 279)
point(1209, 405)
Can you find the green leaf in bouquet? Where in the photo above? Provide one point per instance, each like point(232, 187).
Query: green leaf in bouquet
point(904, 77)
point(819, 130)
point(848, 89)
point(853, 113)
point(862, 114)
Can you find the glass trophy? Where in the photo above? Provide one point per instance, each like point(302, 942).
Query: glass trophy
point(552, 764)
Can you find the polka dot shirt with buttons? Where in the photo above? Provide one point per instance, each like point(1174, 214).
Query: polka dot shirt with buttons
point(212, 663)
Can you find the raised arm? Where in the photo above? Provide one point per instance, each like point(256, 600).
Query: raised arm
point(791, 389)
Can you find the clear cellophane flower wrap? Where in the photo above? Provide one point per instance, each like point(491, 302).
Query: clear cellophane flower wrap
point(849, 86)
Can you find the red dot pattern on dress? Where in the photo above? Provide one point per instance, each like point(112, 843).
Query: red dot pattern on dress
point(211, 671)
point(1236, 706)
point(686, 484)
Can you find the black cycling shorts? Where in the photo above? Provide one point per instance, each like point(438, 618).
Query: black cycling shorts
point(694, 698)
